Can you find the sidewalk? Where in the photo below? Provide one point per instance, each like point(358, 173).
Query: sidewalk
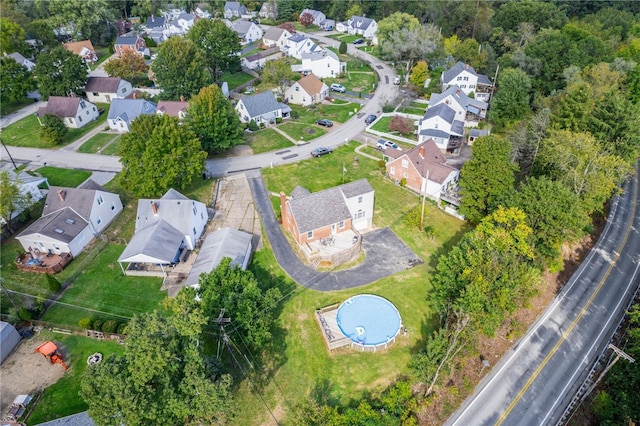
point(73, 146)
point(20, 114)
point(293, 141)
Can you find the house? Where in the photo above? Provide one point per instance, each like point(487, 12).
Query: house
point(178, 23)
point(314, 216)
point(9, 339)
point(71, 218)
point(260, 59)
point(318, 17)
point(474, 134)
point(328, 24)
point(123, 26)
point(105, 89)
point(276, 37)
point(173, 108)
point(29, 65)
point(269, 10)
point(323, 63)
point(469, 110)
point(358, 25)
point(439, 123)
point(233, 9)
point(73, 111)
point(84, 49)
point(133, 43)
point(423, 168)
point(158, 28)
point(248, 31)
point(29, 187)
point(225, 242)
point(262, 108)
point(468, 80)
point(342, 27)
point(165, 229)
point(299, 44)
point(123, 111)
point(309, 90)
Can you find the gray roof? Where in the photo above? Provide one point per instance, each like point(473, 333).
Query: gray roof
point(359, 22)
point(155, 21)
point(157, 243)
point(17, 57)
point(80, 419)
point(457, 128)
point(241, 26)
point(79, 199)
point(320, 54)
point(460, 66)
point(443, 111)
point(484, 80)
point(434, 133)
point(476, 133)
point(260, 104)
point(63, 225)
point(60, 106)
point(129, 109)
point(225, 242)
point(463, 99)
point(234, 6)
point(326, 207)
point(173, 208)
point(126, 40)
point(186, 16)
point(102, 84)
point(273, 33)
point(297, 37)
point(299, 191)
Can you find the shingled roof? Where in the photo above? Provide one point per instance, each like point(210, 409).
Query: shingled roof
point(60, 106)
point(77, 46)
point(102, 84)
point(260, 104)
point(62, 225)
point(427, 159)
point(79, 199)
point(311, 84)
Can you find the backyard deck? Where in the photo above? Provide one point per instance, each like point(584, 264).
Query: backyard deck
point(42, 263)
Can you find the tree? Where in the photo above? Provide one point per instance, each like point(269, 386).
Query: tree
point(129, 66)
point(146, 7)
point(179, 68)
point(487, 178)
point(60, 73)
point(401, 125)
point(467, 51)
point(163, 377)
point(11, 37)
point(219, 45)
point(53, 129)
point(42, 30)
point(279, 72)
point(214, 120)
point(158, 154)
point(419, 74)
point(15, 80)
point(392, 23)
point(354, 10)
point(12, 198)
point(342, 49)
point(512, 99)
point(510, 15)
point(406, 45)
point(614, 124)
point(250, 307)
point(306, 19)
point(526, 139)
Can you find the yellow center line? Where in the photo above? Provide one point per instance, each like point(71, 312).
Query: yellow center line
point(564, 336)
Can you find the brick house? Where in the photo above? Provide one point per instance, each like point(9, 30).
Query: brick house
point(134, 43)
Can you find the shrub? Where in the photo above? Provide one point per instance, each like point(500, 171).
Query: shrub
point(262, 126)
point(53, 129)
point(122, 328)
point(388, 107)
point(401, 125)
point(24, 314)
point(294, 114)
point(97, 325)
point(382, 164)
point(342, 49)
point(110, 326)
point(278, 120)
point(149, 42)
point(253, 126)
point(86, 323)
point(403, 181)
point(53, 283)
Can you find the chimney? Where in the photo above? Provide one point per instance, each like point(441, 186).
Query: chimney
point(458, 92)
point(283, 207)
point(154, 208)
point(181, 98)
point(466, 66)
point(421, 151)
point(135, 94)
point(61, 194)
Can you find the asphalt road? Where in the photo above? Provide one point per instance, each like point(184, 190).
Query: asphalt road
point(536, 380)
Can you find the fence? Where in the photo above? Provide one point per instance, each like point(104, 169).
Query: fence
point(369, 128)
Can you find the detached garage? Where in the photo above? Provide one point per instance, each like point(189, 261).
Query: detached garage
point(9, 338)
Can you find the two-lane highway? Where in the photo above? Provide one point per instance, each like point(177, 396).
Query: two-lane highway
point(536, 380)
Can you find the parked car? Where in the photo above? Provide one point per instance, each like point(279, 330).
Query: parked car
point(396, 80)
point(358, 41)
point(383, 144)
point(370, 118)
point(324, 122)
point(335, 87)
point(319, 152)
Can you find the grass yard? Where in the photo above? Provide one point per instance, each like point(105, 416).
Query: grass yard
point(266, 140)
point(302, 131)
point(356, 81)
point(413, 110)
point(61, 399)
point(382, 125)
point(96, 143)
point(103, 55)
point(338, 111)
point(112, 149)
point(9, 107)
point(64, 177)
point(236, 79)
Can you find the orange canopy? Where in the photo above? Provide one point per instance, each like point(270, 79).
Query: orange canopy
point(47, 348)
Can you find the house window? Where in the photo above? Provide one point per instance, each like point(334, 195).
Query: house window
point(310, 234)
point(359, 200)
point(304, 99)
point(466, 79)
point(341, 224)
point(100, 200)
point(56, 247)
point(459, 78)
point(123, 90)
point(194, 231)
point(472, 86)
point(80, 118)
point(87, 112)
point(463, 86)
point(94, 109)
point(98, 220)
point(195, 211)
point(201, 215)
point(113, 206)
point(96, 94)
point(392, 171)
point(405, 174)
point(82, 104)
point(297, 88)
point(405, 164)
point(291, 97)
point(359, 214)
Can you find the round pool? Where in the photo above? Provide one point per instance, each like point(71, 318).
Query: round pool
point(369, 320)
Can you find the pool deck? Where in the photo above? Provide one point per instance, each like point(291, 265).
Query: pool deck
point(328, 322)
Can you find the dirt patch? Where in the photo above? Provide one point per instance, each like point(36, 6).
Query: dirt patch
point(238, 151)
point(26, 372)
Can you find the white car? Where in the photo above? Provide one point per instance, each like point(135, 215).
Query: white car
point(383, 144)
point(335, 87)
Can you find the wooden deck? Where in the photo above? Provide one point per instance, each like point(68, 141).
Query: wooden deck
point(43, 263)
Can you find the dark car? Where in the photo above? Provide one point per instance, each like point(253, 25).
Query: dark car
point(324, 122)
point(358, 41)
point(318, 152)
point(370, 118)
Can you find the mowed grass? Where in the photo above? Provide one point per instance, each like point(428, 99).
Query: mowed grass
point(96, 143)
point(301, 131)
point(112, 148)
point(338, 111)
point(236, 79)
point(356, 81)
point(61, 399)
point(63, 177)
point(9, 107)
point(266, 140)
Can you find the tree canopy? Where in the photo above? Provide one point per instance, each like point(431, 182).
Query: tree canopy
point(60, 73)
point(128, 66)
point(12, 198)
point(409, 45)
point(11, 37)
point(279, 72)
point(15, 80)
point(219, 46)
point(512, 102)
point(158, 154)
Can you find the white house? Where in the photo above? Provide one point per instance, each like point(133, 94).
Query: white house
point(322, 62)
point(468, 80)
point(309, 90)
point(104, 89)
point(469, 110)
point(248, 31)
point(71, 218)
point(262, 108)
point(173, 109)
point(276, 37)
point(29, 65)
point(298, 44)
point(260, 59)
point(233, 9)
point(84, 49)
point(29, 188)
point(358, 25)
point(269, 10)
point(73, 111)
point(318, 17)
point(439, 123)
point(123, 111)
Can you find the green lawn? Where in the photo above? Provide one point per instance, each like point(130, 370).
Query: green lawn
point(9, 107)
point(413, 110)
point(64, 177)
point(302, 131)
point(61, 399)
point(103, 55)
point(266, 140)
point(96, 143)
point(357, 81)
point(382, 125)
point(236, 79)
point(112, 149)
point(338, 111)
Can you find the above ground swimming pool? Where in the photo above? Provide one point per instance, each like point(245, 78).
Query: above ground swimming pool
point(369, 320)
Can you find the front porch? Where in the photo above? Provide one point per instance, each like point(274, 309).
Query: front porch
point(43, 263)
point(333, 250)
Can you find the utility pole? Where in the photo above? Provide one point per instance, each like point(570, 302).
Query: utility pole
point(221, 321)
point(9, 154)
point(424, 196)
point(619, 354)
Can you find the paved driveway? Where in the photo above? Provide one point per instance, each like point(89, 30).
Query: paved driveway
point(385, 253)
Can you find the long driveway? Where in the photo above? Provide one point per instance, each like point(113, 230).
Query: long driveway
point(536, 380)
point(385, 253)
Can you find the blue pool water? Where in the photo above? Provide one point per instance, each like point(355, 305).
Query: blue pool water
point(368, 319)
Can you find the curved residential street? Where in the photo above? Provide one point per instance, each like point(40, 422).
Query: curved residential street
point(536, 380)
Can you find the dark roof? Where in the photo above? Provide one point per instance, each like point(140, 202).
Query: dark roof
point(126, 40)
point(460, 97)
point(79, 199)
point(102, 84)
point(434, 133)
point(60, 106)
point(92, 185)
point(63, 225)
point(476, 133)
point(273, 33)
point(443, 111)
point(427, 159)
point(354, 189)
point(155, 21)
point(296, 38)
point(156, 243)
point(129, 109)
point(452, 72)
point(359, 22)
point(484, 80)
point(260, 104)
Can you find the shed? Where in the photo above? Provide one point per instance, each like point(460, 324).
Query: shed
point(9, 339)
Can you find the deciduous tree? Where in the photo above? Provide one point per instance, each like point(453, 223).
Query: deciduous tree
point(53, 129)
point(393, 23)
point(407, 45)
point(158, 154)
point(60, 73)
point(12, 198)
point(279, 72)
point(15, 80)
point(214, 120)
point(401, 125)
point(419, 73)
point(306, 19)
point(219, 45)
point(512, 99)
point(11, 37)
point(129, 66)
